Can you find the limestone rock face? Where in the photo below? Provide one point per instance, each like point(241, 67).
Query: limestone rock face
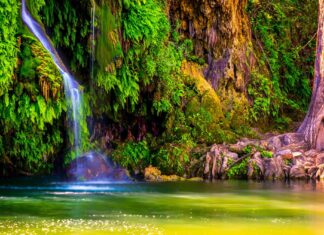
point(218, 159)
point(276, 158)
point(94, 166)
point(221, 34)
point(256, 167)
point(274, 168)
point(298, 172)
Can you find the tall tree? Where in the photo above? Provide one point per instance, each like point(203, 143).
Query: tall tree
point(313, 124)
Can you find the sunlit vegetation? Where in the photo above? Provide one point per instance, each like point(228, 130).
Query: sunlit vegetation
point(31, 111)
point(148, 84)
point(284, 34)
point(8, 42)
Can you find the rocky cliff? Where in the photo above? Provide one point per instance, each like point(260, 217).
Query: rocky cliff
point(221, 34)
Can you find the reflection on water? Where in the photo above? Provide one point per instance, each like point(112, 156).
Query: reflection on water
point(230, 207)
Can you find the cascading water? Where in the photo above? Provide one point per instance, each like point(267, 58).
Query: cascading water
point(72, 92)
point(90, 166)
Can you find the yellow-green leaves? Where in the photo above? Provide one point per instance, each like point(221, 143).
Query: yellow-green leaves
point(9, 11)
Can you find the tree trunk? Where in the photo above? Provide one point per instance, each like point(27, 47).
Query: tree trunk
point(313, 124)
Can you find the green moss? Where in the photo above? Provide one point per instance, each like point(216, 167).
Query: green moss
point(238, 171)
point(148, 60)
point(8, 42)
point(34, 7)
point(30, 113)
point(144, 69)
point(68, 26)
point(108, 46)
point(266, 154)
point(133, 155)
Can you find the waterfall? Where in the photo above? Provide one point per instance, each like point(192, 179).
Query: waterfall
point(73, 95)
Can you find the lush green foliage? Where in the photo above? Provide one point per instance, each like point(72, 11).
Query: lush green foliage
point(134, 156)
point(9, 11)
point(34, 7)
point(144, 70)
point(148, 59)
point(108, 46)
point(30, 113)
point(67, 29)
point(239, 170)
point(283, 32)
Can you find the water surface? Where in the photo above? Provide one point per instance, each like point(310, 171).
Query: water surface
point(29, 206)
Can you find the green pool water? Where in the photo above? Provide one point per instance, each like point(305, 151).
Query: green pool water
point(29, 206)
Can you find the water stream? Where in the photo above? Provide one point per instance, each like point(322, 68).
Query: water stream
point(73, 94)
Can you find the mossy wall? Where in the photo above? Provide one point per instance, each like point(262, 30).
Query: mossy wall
point(31, 112)
point(169, 77)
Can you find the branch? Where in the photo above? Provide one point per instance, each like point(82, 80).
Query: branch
point(238, 161)
point(308, 42)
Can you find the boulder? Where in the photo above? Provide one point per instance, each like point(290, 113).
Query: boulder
point(214, 162)
point(256, 167)
point(207, 166)
point(275, 168)
point(285, 154)
point(297, 154)
point(238, 147)
point(320, 159)
point(230, 155)
point(95, 166)
point(225, 164)
point(217, 165)
point(287, 140)
point(311, 153)
point(274, 143)
point(166, 178)
point(297, 172)
point(300, 160)
point(152, 173)
point(312, 171)
point(320, 172)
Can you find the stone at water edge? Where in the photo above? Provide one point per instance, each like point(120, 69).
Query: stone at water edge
point(256, 167)
point(297, 172)
point(274, 143)
point(285, 154)
point(153, 174)
point(94, 166)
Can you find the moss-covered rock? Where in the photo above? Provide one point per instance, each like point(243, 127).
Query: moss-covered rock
point(209, 100)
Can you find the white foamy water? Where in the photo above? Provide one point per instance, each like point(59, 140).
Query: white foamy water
point(73, 94)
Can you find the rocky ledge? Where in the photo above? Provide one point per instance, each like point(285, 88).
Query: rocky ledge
point(285, 156)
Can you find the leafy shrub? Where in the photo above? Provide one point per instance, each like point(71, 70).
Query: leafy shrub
point(8, 50)
point(34, 7)
point(133, 155)
point(238, 171)
point(283, 34)
point(148, 61)
point(67, 29)
point(30, 113)
point(266, 154)
point(173, 158)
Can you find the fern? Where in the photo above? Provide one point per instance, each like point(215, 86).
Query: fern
point(32, 131)
point(9, 12)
